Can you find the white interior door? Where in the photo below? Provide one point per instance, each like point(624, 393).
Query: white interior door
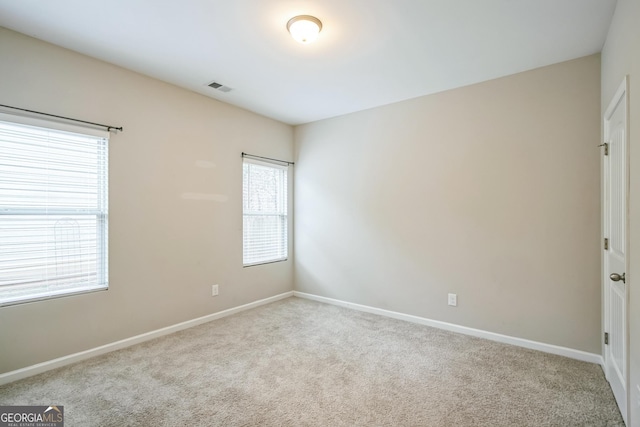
point(615, 257)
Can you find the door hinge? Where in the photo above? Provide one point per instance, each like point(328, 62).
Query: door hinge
point(606, 244)
point(606, 148)
point(606, 338)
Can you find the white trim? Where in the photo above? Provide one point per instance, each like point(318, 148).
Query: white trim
point(127, 342)
point(52, 123)
point(39, 368)
point(276, 164)
point(520, 342)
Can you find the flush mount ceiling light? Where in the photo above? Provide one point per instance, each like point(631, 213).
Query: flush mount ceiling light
point(304, 28)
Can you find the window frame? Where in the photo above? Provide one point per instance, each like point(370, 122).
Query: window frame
point(285, 215)
point(101, 213)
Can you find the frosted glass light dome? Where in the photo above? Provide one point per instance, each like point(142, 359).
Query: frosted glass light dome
point(304, 28)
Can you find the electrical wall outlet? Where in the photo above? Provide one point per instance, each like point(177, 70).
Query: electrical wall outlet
point(214, 290)
point(453, 299)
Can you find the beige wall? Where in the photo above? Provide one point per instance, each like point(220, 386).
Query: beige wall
point(165, 251)
point(489, 191)
point(620, 57)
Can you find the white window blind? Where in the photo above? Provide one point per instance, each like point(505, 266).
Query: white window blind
point(264, 212)
point(53, 210)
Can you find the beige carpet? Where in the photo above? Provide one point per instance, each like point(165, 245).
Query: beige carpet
point(302, 363)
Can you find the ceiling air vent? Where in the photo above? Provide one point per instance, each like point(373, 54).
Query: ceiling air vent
point(221, 88)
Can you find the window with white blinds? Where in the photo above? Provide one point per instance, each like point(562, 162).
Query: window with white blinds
point(264, 208)
point(53, 210)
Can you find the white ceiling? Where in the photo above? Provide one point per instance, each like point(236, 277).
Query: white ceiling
point(369, 53)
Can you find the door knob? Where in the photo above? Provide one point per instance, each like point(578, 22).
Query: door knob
point(616, 277)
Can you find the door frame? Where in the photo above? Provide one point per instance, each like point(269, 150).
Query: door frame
point(622, 91)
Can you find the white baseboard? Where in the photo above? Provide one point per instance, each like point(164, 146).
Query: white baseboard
point(127, 342)
point(520, 342)
point(28, 371)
